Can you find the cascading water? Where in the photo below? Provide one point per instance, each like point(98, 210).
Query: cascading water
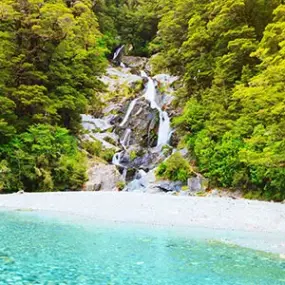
point(129, 111)
point(120, 159)
point(117, 52)
point(125, 142)
point(164, 129)
point(116, 159)
point(164, 120)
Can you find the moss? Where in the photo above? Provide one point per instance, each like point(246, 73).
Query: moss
point(120, 185)
point(185, 188)
point(161, 88)
point(133, 155)
point(92, 147)
point(166, 150)
point(138, 86)
point(107, 154)
point(183, 143)
point(110, 140)
point(201, 194)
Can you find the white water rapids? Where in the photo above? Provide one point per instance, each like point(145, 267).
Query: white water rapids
point(164, 120)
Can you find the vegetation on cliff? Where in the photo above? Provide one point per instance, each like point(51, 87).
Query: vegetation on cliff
point(51, 53)
point(228, 54)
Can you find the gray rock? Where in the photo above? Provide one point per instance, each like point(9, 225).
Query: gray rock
point(143, 124)
point(135, 62)
point(168, 186)
point(115, 78)
point(197, 184)
point(93, 186)
point(102, 177)
point(91, 123)
point(102, 137)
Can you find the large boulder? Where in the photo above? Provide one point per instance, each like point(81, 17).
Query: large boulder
point(115, 78)
point(102, 177)
point(135, 62)
point(169, 186)
point(143, 123)
point(197, 184)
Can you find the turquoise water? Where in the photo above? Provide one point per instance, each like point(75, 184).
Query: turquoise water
point(39, 249)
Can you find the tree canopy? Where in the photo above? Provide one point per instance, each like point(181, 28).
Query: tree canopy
point(228, 54)
point(51, 53)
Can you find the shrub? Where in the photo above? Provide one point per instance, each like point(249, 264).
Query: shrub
point(45, 158)
point(120, 185)
point(107, 154)
point(175, 168)
point(92, 147)
point(133, 155)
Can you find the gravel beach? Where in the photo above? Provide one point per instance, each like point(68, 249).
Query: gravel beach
point(263, 219)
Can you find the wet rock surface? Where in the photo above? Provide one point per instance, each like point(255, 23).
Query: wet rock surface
point(135, 124)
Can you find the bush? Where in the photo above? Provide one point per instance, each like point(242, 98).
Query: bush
point(45, 158)
point(133, 155)
point(92, 147)
point(175, 168)
point(121, 185)
point(107, 154)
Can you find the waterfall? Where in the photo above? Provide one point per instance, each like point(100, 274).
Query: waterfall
point(116, 159)
point(129, 111)
point(125, 142)
point(123, 65)
point(121, 159)
point(117, 52)
point(150, 94)
point(164, 120)
point(164, 128)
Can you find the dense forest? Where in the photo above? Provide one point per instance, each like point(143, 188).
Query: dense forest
point(229, 55)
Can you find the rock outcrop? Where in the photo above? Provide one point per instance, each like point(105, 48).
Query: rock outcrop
point(102, 177)
point(135, 117)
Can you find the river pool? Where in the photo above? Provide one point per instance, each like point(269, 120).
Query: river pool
point(38, 248)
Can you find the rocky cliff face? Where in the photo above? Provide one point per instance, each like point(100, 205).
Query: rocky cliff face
point(136, 125)
point(135, 131)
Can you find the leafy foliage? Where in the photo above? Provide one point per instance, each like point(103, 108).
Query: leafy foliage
point(230, 56)
point(175, 168)
point(51, 54)
point(44, 158)
point(131, 22)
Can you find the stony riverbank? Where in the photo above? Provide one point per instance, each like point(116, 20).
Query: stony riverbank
point(263, 219)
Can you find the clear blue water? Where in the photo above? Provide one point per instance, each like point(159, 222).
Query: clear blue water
point(38, 249)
